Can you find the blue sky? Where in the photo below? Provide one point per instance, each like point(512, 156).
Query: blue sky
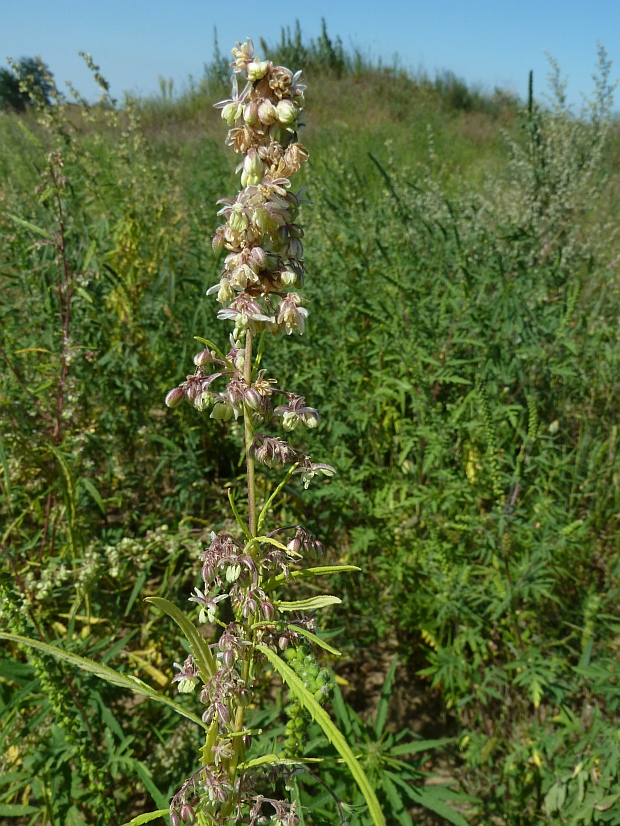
point(487, 42)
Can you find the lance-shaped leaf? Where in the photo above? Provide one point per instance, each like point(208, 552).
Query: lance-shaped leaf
point(310, 604)
point(127, 681)
point(275, 760)
point(333, 734)
point(148, 817)
point(200, 648)
point(316, 640)
point(308, 573)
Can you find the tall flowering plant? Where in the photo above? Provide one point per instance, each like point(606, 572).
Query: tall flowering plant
point(243, 571)
point(258, 289)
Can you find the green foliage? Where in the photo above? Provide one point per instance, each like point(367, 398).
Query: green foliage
point(385, 757)
point(466, 370)
point(30, 80)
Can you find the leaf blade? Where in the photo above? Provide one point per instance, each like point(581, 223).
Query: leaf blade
point(333, 734)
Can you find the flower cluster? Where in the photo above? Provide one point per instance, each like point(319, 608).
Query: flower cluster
point(262, 271)
point(261, 233)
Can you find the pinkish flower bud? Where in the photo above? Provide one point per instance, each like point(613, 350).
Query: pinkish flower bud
point(247, 741)
point(267, 610)
point(250, 113)
point(218, 240)
point(175, 397)
point(202, 358)
point(253, 398)
point(223, 713)
point(294, 545)
point(283, 643)
point(267, 113)
point(187, 813)
point(175, 820)
point(228, 658)
point(258, 258)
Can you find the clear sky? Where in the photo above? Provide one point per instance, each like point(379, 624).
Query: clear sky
point(487, 42)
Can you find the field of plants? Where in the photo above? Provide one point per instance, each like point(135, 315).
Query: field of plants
point(462, 347)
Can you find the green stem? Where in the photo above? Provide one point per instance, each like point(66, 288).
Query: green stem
point(249, 436)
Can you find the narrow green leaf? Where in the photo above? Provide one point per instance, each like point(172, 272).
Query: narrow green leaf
point(200, 648)
point(105, 673)
point(310, 604)
point(271, 541)
point(213, 347)
point(398, 807)
point(420, 745)
point(34, 140)
point(308, 573)
point(137, 588)
point(89, 254)
point(89, 486)
point(68, 477)
point(275, 760)
point(84, 294)
point(32, 227)
point(316, 640)
point(384, 700)
point(334, 736)
point(158, 798)
point(7, 478)
point(427, 797)
point(146, 818)
point(240, 521)
point(267, 505)
point(16, 810)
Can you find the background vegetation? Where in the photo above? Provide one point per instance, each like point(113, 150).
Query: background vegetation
point(464, 300)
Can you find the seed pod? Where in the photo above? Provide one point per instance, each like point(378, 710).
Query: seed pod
point(175, 397)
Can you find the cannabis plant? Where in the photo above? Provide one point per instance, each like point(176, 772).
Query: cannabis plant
point(243, 570)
